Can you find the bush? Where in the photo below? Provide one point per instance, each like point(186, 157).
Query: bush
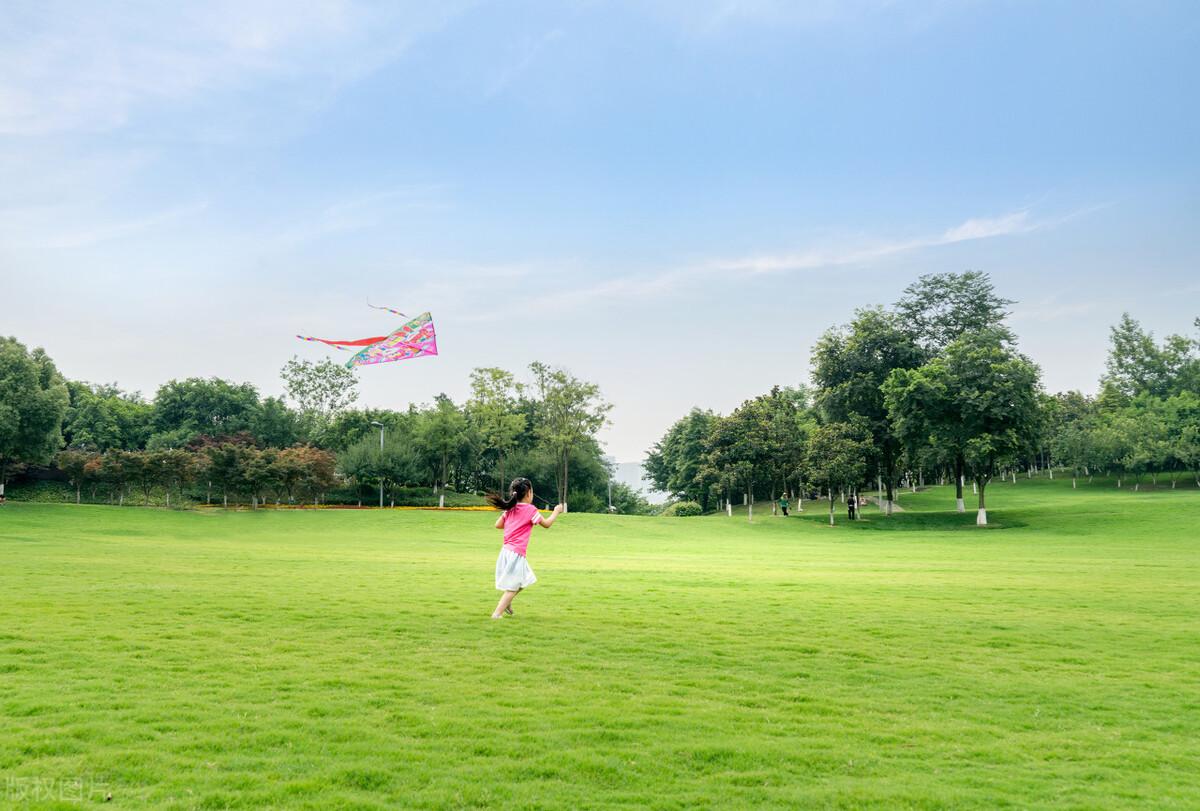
point(681, 509)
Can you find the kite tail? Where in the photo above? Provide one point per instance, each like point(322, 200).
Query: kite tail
point(389, 309)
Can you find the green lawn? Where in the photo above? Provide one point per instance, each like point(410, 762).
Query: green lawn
point(346, 659)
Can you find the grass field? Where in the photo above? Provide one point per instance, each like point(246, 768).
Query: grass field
point(346, 659)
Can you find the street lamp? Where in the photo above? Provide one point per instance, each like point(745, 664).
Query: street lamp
point(380, 424)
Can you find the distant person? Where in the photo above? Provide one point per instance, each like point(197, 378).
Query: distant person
point(784, 503)
point(852, 507)
point(512, 569)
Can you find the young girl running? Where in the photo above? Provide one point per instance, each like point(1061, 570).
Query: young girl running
point(512, 570)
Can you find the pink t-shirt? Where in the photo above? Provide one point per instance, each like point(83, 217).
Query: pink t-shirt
point(518, 524)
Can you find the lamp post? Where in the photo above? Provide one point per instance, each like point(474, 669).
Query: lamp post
point(380, 424)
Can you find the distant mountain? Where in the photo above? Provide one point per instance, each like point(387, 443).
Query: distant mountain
point(630, 473)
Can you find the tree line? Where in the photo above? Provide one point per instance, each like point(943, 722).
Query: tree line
point(933, 387)
point(217, 440)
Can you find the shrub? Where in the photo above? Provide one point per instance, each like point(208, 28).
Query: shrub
point(682, 509)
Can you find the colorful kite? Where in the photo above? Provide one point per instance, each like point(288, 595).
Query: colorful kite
point(414, 339)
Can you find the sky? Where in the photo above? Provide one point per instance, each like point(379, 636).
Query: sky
point(670, 199)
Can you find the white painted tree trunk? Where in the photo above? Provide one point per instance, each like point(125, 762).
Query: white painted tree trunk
point(974, 488)
point(981, 518)
point(442, 502)
point(1073, 485)
point(961, 504)
point(729, 508)
point(1014, 477)
point(1051, 471)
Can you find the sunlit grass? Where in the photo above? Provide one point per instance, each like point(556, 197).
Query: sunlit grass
point(346, 659)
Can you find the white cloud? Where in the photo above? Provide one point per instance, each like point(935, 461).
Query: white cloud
point(69, 67)
point(857, 252)
point(120, 229)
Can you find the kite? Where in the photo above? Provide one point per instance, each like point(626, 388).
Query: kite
point(415, 339)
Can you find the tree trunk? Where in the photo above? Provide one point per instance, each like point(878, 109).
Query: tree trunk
point(225, 497)
point(831, 506)
point(78, 494)
point(1073, 485)
point(208, 495)
point(958, 484)
point(749, 507)
point(891, 497)
point(981, 517)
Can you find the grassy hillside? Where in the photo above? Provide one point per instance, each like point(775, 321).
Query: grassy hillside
point(346, 659)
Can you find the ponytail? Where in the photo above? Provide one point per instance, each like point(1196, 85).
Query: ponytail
point(516, 492)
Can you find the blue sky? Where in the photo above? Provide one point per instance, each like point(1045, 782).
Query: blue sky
point(673, 199)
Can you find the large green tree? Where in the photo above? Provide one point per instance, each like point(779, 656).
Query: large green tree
point(492, 411)
point(320, 390)
point(979, 398)
point(850, 366)
point(836, 457)
point(1138, 365)
point(33, 402)
point(570, 412)
point(441, 435)
point(939, 308)
point(213, 407)
point(675, 464)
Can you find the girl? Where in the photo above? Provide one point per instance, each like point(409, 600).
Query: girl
point(512, 570)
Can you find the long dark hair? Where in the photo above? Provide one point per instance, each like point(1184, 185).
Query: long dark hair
point(516, 492)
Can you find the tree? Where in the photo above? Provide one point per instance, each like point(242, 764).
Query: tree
point(101, 417)
point(627, 501)
point(275, 425)
point(320, 471)
point(441, 434)
point(850, 366)
point(75, 465)
point(739, 451)
point(492, 410)
point(939, 308)
point(33, 402)
point(215, 407)
point(836, 457)
point(257, 472)
point(355, 425)
point(176, 468)
point(676, 462)
point(570, 412)
point(1136, 365)
point(224, 468)
point(117, 467)
point(320, 390)
point(978, 398)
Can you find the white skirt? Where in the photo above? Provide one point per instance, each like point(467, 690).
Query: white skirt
point(512, 571)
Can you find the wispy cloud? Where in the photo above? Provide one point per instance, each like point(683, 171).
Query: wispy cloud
point(120, 229)
point(864, 251)
point(82, 67)
point(362, 212)
point(1052, 309)
point(527, 53)
point(856, 252)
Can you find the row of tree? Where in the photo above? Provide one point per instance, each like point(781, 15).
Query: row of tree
point(544, 428)
point(224, 470)
point(934, 387)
